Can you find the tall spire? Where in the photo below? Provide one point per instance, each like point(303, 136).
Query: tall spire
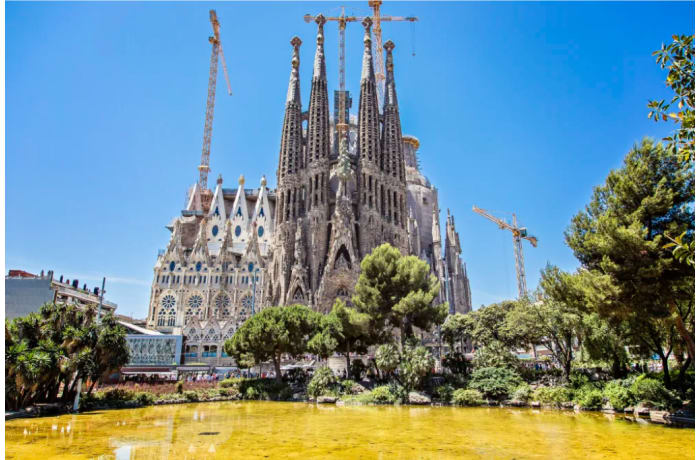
point(392, 144)
point(290, 148)
point(368, 113)
point(318, 137)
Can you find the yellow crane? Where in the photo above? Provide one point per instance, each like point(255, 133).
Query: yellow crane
point(216, 51)
point(519, 234)
point(377, 20)
point(378, 47)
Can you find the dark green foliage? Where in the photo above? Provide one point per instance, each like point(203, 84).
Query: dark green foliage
point(387, 357)
point(323, 382)
point(679, 58)
point(357, 369)
point(456, 363)
point(555, 396)
point(397, 292)
point(384, 395)
point(443, 393)
point(495, 354)
point(495, 382)
point(54, 346)
point(588, 397)
point(273, 332)
point(297, 376)
point(416, 363)
point(646, 389)
point(635, 283)
point(467, 397)
point(179, 387)
point(618, 395)
point(522, 393)
point(344, 330)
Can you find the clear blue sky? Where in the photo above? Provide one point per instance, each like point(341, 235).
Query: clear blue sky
point(519, 107)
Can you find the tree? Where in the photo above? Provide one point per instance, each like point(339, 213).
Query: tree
point(397, 292)
point(619, 237)
point(59, 345)
point(273, 332)
point(343, 330)
point(490, 325)
point(458, 329)
point(679, 59)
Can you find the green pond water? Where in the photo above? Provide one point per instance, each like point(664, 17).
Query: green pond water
point(299, 430)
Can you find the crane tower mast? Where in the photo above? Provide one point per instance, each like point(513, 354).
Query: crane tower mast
point(378, 49)
point(519, 234)
point(216, 51)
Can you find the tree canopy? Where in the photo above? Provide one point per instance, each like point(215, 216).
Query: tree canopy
point(397, 291)
point(59, 345)
point(273, 332)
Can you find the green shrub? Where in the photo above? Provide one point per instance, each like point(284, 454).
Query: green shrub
point(350, 387)
point(252, 393)
point(415, 364)
point(321, 383)
point(552, 395)
point(232, 383)
point(646, 389)
point(229, 392)
point(179, 387)
point(495, 382)
point(297, 376)
point(618, 395)
point(357, 369)
point(495, 355)
point(384, 394)
point(467, 397)
point(588, 397)
point(444, 393)
point(145, 398)
point(522, 393)
point(191, 396)
point(118, 394)
point(578, 379)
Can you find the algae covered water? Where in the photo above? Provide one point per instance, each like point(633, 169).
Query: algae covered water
point(298, 430)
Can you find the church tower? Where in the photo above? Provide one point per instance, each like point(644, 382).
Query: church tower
point(317, 173)
point(369, 151)
point(291, 162)
point(393, 163)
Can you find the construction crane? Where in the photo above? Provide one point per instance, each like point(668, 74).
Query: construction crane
point(216, 51)
point(378, 47)
point(519, 234)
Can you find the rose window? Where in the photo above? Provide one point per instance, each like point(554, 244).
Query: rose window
point(247, 303)
point(194, 305)
point(222, 304)
point(168, 301)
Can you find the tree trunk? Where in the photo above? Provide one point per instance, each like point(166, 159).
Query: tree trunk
point(92, 385)
point(347, 359)
point(667, 374)
point(676, 313)
point(278, 372)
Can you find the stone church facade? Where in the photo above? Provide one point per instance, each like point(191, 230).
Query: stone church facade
point(343, 188)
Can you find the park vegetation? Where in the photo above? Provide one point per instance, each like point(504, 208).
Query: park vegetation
point(630, 302)
point(48, 352)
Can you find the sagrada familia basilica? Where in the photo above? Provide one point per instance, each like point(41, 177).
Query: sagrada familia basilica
point(345, 185)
